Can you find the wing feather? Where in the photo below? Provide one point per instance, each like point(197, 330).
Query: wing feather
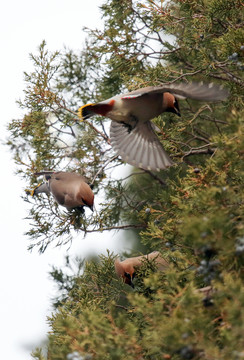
point(141, 147)
point(193, 90)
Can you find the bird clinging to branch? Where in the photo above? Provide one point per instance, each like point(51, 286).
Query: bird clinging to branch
point(68, 189)
point(127, 268)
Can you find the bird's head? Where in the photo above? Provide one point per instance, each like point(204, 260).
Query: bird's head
point(129, 277)
point(125, 270)
point(172, 104)
point(88, 201)
point(86, 195)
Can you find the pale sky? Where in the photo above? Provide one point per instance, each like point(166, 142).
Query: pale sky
point(26, 289)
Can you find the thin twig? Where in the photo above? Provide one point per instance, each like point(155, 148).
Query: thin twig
point(87, 122)
point(155, 177)
point(183, 75)
point(230, 77)
point(103, 167)
point(132, 174)
point(123, 227)
point(198, 152)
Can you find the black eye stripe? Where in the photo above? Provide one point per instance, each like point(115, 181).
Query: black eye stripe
point(127, 275)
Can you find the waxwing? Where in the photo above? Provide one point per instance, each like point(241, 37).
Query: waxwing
point(68, 189)
point(127, 268)
point(131, 131)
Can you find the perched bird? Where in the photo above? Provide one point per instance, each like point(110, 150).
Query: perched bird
point(68, 189)
point(131, 131)
point(127, 268)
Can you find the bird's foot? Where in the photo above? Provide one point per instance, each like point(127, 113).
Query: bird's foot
point(80, 209)
point(131, 125)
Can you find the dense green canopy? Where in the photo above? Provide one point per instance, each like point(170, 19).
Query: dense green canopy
point(191, 213)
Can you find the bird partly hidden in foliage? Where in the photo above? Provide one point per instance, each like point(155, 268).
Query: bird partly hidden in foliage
point(132, 134)
point(127, 268)
point(68, 189)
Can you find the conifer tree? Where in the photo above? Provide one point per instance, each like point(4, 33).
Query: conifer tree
point(191, 213)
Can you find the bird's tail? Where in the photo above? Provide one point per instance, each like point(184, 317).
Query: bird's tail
point(101, 108)
point(86, 111)
point(40, 188)
point(141, 147)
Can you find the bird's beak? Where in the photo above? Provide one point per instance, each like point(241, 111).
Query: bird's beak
point(176, 108)
point(131, 281)
point(91, 207)
point(177, 111)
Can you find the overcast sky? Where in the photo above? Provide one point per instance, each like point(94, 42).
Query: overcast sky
point(26, 289)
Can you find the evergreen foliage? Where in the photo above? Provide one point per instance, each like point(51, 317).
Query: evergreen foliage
point(192, 213)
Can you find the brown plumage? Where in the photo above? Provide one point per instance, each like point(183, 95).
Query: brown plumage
point(127, 268)
point(68, 189)
point(131, 131)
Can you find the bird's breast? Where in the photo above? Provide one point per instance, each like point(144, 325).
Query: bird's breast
point(140, 109)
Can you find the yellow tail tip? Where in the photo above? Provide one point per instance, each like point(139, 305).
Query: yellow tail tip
point(83, 114)
point(31, 192)
point(80, 113)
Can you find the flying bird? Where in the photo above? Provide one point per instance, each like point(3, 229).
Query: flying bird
point(132, 134)
point(68, 189)
point(127, 268)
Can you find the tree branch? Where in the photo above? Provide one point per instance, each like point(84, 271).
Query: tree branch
point(87, 122)
point(155, 177)
point(119, 227)
point(199, 151)
point(103, 167)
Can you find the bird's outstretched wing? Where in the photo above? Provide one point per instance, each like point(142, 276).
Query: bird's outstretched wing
point(197, 91)
point(140, 147)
